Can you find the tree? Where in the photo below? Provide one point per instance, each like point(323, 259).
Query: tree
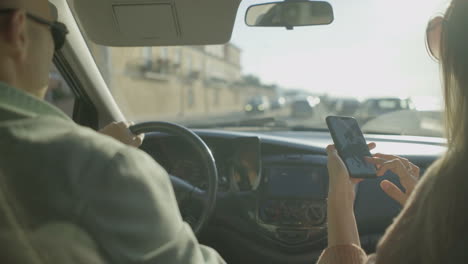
point(252, 80)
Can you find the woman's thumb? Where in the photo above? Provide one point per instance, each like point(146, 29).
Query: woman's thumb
point(393, 191)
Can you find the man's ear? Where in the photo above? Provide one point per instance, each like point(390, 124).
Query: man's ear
point(16, 34)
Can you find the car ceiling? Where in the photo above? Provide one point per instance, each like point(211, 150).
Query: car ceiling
point(157, 22)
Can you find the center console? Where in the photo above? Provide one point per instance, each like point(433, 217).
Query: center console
point(291, 205)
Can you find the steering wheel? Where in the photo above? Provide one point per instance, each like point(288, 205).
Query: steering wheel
point(184, 190)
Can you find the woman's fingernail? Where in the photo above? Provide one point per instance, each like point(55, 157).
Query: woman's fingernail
point(385, 185)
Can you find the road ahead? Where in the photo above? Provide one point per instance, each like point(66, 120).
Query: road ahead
point(280, 116)
point(408, 122)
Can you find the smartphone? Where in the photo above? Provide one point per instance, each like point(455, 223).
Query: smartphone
point(351, 146)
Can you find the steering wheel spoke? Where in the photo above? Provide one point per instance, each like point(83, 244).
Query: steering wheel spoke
point(186, 191)
point(200, 195)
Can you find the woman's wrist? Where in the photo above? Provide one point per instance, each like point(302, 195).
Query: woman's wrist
point(338, 207)
point(341, 199)
point(342, 228)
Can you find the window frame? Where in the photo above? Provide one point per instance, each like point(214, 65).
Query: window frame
point(84, 111)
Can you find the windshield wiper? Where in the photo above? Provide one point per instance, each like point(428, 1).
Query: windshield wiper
point(268, 122)
point(381, 133)
point(309, 128)
point(263, 122)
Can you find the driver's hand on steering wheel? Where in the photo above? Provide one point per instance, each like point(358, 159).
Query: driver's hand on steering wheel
point(121, 132)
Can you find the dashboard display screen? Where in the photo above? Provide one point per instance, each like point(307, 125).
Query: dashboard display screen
point(297, 182)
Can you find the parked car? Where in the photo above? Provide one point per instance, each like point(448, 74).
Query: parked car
point(304, 107)
point(258, 104)
point(278, 102)
point(374, 107)
point(346, 106)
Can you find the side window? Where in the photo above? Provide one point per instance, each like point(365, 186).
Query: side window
point(59, 93)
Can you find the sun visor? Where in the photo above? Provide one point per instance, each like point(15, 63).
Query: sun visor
point(153, 21)
point(157, 23)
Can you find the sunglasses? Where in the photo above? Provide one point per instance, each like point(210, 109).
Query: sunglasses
point(58, 30)
point(433, 36)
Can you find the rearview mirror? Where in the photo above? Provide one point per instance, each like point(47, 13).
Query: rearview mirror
point(290, 14)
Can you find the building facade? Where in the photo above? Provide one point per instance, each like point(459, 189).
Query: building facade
point(169, 83)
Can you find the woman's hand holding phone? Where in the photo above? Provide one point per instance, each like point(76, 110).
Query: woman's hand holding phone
point(342, 228)
point(341, 185)
point(403, 168)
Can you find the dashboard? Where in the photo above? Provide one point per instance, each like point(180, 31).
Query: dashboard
point(291, 201)
point(272, 193)
point(238, 161)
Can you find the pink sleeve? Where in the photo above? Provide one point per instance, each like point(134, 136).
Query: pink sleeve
point(343, 254)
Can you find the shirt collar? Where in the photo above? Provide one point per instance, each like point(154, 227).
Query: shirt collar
point(18, 101)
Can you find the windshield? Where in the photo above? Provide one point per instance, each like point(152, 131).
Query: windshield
point(370, 63)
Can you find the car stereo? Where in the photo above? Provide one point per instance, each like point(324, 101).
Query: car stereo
point(296, 182)
point(293, 196)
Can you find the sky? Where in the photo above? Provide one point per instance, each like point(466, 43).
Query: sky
point(373, 48)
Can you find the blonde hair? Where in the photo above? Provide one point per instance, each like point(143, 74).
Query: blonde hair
point(432, 226)
point(454, 58)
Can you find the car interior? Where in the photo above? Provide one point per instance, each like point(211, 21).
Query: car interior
point(251, 179)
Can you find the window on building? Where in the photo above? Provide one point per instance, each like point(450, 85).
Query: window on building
point(216, 97)
point(189, 63)
point(177, 55)
point(191, 98)
point(148, 57)
point(215, 50)
point(59, 93)
point(200, 65)
point(164, 53)
point(208, 70)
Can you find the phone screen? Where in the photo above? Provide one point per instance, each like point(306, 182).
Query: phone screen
point(351, 146)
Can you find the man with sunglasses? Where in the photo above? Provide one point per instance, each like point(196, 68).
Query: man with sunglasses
point(61, 172)
point(26, 48)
